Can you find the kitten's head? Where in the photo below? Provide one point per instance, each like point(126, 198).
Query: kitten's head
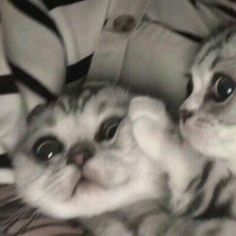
point(78, 156)
point(208, 115)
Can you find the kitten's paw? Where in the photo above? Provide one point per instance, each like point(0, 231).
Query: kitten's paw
point(151, 110)
point(144, 106)
point(148, 136)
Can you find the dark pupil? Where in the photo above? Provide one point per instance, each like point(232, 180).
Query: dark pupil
point(47, 147)
point(189, 87)
point(224, 88)
point(108, 129)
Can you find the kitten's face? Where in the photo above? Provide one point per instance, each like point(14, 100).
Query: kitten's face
point(208, 115)
point(79, 156)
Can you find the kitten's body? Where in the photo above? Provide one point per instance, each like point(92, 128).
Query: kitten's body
point(122, 186)
point(208, 124)
point(115, 177)
point(199, 186)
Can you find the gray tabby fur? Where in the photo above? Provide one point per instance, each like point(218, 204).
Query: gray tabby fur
point(212, 128)
point(136, 182)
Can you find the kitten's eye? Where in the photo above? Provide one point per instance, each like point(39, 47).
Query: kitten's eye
point(108, 129)
point(189, 88)
point(47, 147)
point(223, 87)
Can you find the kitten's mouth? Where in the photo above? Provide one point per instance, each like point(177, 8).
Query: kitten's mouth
point(81, 181)
point(84, 182)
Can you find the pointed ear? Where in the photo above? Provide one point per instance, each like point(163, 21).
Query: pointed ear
point(36, 111)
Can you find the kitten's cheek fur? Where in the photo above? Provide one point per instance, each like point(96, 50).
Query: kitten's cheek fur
point(194, 134)
point(210, 139)
point(104, 174)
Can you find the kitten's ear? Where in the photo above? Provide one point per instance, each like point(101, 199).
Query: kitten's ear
point(36, 111)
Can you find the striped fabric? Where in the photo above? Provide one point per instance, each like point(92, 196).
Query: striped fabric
point(48, 44)
point(42, 56)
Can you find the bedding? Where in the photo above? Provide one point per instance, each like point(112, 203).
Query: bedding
point(47, 45)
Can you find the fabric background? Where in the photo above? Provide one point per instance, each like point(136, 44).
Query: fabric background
point(47, 45)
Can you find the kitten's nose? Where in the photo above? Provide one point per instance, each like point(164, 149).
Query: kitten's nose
point(185, 115)
point(79, 155)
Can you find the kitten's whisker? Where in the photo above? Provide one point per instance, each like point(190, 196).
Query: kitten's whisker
point(34, 216)
point(12, 220)
point(16, 214)
point(5, 187)
point(54, 180)
point(30, 181)
point(52, 185)
point(7, 197)
point(9, 200)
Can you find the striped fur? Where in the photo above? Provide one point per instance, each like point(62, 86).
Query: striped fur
point(170, 189)
point(211, 127)
point(201, 192)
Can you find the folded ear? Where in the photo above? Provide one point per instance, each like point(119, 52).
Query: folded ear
point(36, 111)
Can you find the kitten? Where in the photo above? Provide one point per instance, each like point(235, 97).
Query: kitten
point(208, 115)
point(208, 124)
point(202, 192)
point(81, 157)
point(193, 179)
point(78, 157)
